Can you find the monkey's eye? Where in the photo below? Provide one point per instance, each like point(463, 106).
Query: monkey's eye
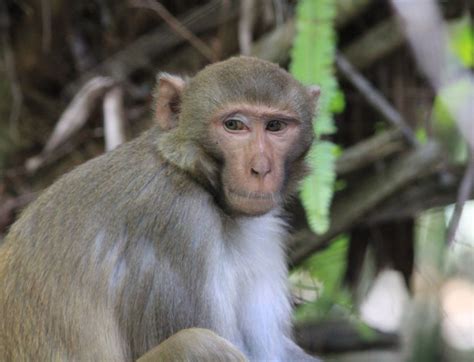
point(234, 125)
point(275, 125)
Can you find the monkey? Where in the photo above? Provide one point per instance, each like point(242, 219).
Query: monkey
point(182, 227)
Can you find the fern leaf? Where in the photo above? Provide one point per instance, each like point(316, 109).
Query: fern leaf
point(312, 63)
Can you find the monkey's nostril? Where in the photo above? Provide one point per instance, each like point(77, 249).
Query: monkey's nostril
point(259, 172)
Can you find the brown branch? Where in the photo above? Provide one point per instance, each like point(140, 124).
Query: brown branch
point(46, 25)
point(275, 46)
point(465, 190)
point(375, 98)
point(374, 44)
point(333, 335)
point(370, 150)
point(139, 53)
point(246, 22)
point(10, 69)
point(72, 119)
point(349, 208)
point(81, 52)
point(114, 118)
point(177, 27)
point(347, 10)
point(427, 193)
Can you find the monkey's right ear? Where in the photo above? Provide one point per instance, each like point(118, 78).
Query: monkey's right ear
point(314, 92)
point(168, 100)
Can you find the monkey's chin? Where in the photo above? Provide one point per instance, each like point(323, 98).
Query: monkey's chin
point(250, 203)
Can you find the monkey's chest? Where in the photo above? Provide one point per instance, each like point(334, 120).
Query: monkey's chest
point(247, 280)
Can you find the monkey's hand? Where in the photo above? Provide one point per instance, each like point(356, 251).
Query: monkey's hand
point(194, 344)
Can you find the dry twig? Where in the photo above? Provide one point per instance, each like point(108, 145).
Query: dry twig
point(465, 190)
point(377, 100)
point(246, 22)
point(46, 25)
point(72, 119)
point(10, 69)
point(114, 118)
point(177, 27)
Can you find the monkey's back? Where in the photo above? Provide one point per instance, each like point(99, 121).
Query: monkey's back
point(96, 229)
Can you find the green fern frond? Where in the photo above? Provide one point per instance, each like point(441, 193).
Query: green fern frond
point(312, 63)
point(317, 188)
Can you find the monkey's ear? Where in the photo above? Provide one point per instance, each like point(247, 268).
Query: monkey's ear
point(168, 100)
point(314, 92)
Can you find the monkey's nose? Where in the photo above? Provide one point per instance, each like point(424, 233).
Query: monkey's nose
point(260, 168)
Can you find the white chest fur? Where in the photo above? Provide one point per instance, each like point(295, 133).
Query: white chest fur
point(248, 287)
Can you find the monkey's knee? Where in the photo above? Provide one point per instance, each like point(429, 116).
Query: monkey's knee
point(194, 345)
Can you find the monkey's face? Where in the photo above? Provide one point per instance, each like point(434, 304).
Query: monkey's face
point(241, 127)
point(256, 143)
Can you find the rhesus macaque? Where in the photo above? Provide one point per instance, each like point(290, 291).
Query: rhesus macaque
point(179, 228)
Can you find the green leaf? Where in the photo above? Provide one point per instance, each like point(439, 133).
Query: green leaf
point(327, 268)
point(444, 124)
point(462, 40)
point(421, 135)
point(317, 189)
point(313, 63)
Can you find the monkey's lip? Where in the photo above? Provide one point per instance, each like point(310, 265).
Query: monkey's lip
point(253, 195)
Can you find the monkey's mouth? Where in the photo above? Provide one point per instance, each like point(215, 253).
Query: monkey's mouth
point(251, 203)
point(252, 195)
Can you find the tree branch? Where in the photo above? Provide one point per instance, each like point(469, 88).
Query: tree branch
point(375, 98)
point(370, 150)
point(139, 53)
point(349, 208)
point(177, 27)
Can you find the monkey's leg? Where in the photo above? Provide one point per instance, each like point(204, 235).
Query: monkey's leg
point(194, 344)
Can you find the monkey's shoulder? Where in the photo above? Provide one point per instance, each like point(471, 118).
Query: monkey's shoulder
point(130, 167)
point(119, 183)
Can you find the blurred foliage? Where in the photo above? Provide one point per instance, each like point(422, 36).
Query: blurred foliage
point(461, 43)
point(445, 129)
point(327, 268)
point(461, 34)
point(312, 63)
point(430, 248)
point(430, 237)
point(323, 274)
point(444, 123)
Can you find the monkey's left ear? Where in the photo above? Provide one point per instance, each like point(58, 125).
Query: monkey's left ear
point(168, 100)
point(314, 92)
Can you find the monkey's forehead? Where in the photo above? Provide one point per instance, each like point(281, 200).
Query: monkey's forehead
point(244, 69)
point(243, 62)
point(246, 79)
